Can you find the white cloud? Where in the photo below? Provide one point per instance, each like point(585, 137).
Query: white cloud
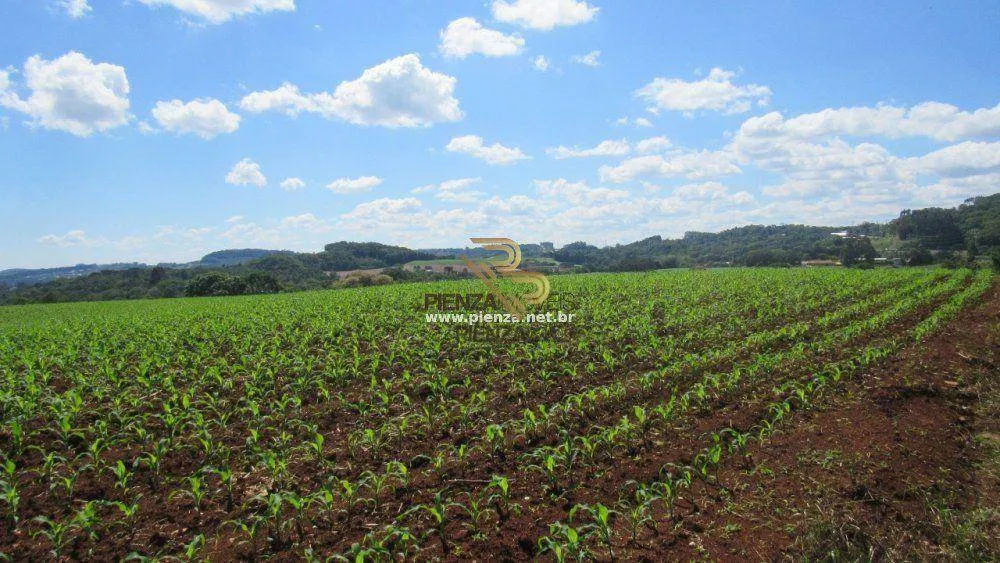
point(694, 165)
point(170, 232)
point(461, 197)
point(72, 238)
point(465, 36)
point(252, 234)
point(146, 129)
point(75, 8)
point(410, 223)
point(306, 222)
point(715, 92)
point(71, 94)
point(638, 122)
point(495, 154)
point(577, 193)
point(246, 172)
point(541, 63)
point(289, 184)
point(964, 159)
point(379, 211)
point(618, 147)
point(713, 191)
point(221, 11)
point(459, 184)
point(204, 118)
point(611, 147)
point(400, 92)
point(453, 190)
point(543, 14)
point(653, 145)
point(943, 122)
point(235, 219)
point(590, 59)
point(286, 99)
point(354, 185)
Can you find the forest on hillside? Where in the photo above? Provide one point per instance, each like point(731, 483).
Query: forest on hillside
point(966, 235)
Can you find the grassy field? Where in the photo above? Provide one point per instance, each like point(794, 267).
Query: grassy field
point(340, 423)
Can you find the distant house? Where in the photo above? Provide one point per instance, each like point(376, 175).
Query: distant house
point(818, 263)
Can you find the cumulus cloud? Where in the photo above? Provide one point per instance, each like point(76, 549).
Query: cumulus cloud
point(221, 11)
point(653, 144)
point(75, 8)
point(410, 223)
point(465, 36)
point(290, 184)
point(618, 147)
point(713, 191)
point(612, 147)
point(354, 185)
point(205, 118)
point(72, 94)
point(306, 222)
point(943, 122)
point(455, 191)
point(964, 159)
point(637, 122)
point(590, 59)
point(252, 234)
point(577, 193)
point(541, 63)
point(380, 211)
point(246, 173)
point(287, 99)
point(543, 15)
point(716, 92)
point(693, 164)
point(400, 92)
point(496, 153)
point(72, 238)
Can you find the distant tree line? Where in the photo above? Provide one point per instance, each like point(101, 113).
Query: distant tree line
point(271, 272)
point(785, 245)
point(953, 237)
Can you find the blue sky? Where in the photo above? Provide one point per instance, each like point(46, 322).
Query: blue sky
point(159, 130)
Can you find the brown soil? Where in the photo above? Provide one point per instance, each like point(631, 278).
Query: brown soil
point(888, 465)
point(901, 463)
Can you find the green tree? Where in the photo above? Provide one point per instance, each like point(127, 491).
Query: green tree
point(857, 251)
point(157, 274)
point(212, 283)
point(919, 256)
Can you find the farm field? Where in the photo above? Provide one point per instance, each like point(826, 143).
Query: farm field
point(341, 424)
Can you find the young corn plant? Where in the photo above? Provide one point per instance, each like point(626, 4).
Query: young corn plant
point(638, 511)
point(565, 543)
point(195, 490)
point(500, 497)
point(58, 534)
point(495, 438)
point(12, 498)
point(479, 514)
point(438, 513)
point(121, 473)
point(601, 523)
